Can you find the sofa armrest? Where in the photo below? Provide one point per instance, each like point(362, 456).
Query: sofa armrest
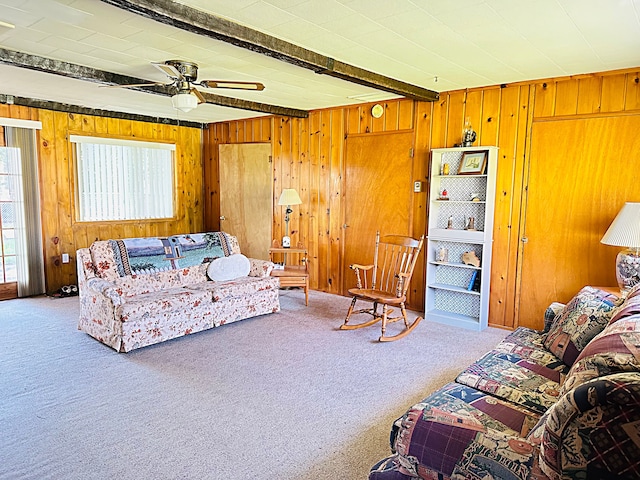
point(260, 268)
point(108, 289)
point(593, 430)
point(550, 315)
point(434, 444)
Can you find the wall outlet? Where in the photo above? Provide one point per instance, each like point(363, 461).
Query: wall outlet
point(65, 258)
point(417, 186)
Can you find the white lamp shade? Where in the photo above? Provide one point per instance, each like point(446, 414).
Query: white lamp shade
point(184, 102)
point(289, 196)
point(624, 231)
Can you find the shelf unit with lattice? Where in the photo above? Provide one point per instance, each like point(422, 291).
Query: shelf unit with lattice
point(451, 296)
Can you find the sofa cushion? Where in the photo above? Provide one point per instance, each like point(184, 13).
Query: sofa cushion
point(631, 306)
point(149, 305)
point(434, 434)
point(581, 319)
point(515, 379)
point(236, 288)
point(229, 268)
point(615, 350)
point(528, 344)
point(592, 431)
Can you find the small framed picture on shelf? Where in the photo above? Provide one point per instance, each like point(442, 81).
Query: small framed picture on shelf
point(473, 163)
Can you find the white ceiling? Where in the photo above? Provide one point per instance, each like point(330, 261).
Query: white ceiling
point(437, 44)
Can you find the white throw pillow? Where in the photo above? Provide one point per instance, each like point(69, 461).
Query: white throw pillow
point(227, 268)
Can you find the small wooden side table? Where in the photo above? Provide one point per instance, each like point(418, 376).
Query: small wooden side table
point(293, 275)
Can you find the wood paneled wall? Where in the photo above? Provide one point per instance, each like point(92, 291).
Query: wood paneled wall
point(60, 230)
point(308, 156)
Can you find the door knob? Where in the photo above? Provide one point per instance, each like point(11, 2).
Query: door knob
point(222, 217)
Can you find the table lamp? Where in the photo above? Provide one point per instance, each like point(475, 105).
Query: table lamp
point(624, 231)
point(288, 197)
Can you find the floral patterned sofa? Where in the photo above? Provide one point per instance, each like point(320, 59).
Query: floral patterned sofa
point(137, 292)
point(563, 403)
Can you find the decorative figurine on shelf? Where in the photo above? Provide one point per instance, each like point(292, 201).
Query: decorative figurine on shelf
point(474, 197)
point(450, 223)
point(470, 258)
point(444, 195)
point(442, 255)
point(468, 134)
point(445, 169)
point(471, 225)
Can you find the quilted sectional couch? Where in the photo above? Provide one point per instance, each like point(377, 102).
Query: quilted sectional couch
point(563, 403)
point(138, 292)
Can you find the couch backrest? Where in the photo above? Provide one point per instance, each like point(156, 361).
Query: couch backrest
point(114, 259)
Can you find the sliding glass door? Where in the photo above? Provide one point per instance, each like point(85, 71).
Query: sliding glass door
point(8, 272)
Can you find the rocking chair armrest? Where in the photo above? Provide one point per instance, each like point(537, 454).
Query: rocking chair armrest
point(356, 269)
point(355, 266)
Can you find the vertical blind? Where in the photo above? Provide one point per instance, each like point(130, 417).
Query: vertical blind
point(123, 180)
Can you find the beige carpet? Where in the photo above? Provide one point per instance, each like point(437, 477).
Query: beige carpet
point(283, 396)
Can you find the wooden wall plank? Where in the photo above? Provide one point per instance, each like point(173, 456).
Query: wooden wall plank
point(589, 95)
point(473, 103)
point(439, 115)
point(613, 93)
point(567, 97)
point(391, 116)
point(455, 118)
point(488, 133)
point(315, 200)
point(632, 89)
point(336, 134)
point(545, 93)
point(406, 115)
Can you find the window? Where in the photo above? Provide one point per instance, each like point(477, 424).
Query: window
point(123, 180)
point(8, 176)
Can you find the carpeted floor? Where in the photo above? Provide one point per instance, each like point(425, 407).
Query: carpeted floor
point(283, 396)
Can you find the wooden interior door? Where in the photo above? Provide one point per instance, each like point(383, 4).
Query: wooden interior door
point(245, 196)
point(580, 175)
point(378, 194)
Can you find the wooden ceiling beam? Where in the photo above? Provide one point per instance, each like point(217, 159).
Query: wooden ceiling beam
point(79, 72)
point(196, 21)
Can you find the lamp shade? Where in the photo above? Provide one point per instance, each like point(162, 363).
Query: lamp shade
point(289, 196)
point(184, 102)
point(624, 231)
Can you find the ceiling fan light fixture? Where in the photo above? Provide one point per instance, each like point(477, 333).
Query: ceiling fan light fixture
point(185, 102)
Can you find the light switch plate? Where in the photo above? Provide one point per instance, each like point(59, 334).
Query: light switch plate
point(417, 186)
point(65, 258)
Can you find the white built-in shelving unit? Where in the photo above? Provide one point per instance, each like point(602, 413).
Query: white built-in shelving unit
point(448, 296)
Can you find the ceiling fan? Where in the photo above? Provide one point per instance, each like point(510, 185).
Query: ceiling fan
point(183, 77)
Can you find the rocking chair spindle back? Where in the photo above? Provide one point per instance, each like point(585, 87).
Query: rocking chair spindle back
point(395, 257)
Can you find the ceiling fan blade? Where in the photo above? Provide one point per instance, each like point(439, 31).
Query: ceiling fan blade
point(169, 70)
point(232, 85)
point(201, 99)
point(134, 85)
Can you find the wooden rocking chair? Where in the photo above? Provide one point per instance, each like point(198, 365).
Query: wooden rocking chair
point(386, 283)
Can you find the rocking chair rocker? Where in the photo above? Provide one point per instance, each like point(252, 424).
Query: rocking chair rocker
point(394, 260)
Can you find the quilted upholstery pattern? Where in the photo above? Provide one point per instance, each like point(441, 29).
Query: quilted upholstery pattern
point(515, 379)
point(581, 319)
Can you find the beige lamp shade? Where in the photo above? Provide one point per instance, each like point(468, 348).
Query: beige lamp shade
point(624, 231)
point(289, 196)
